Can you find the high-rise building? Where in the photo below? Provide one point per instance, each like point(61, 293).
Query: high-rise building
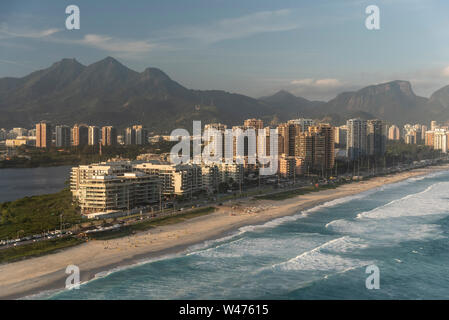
point(424, 129)
point(130, 136)
point(433, 125)
point(376, 143)
point(94, 136)
point(43, 135)
point(304, 148)
point(141, 134)
point(341, 135)
point(357, 140)
point(108, 136)
point(245, 143)
point(394, 133)
point(303, 123)
point(254, 123)
point(215, 133)
point(410, 138)
point(316, 147)
point(80, 135)
point(441, 140)
point(429, 140)
point(62, 136)
point(324, 145)
point(288, 132)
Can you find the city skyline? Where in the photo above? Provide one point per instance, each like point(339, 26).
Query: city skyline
point(224, 150)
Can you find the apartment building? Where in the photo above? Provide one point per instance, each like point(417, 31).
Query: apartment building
point(93, 136)
point(108, 136)
point(179, 180)
point(357, 143)
point(63, 139)
point(43, 135)
point(112, 186)
point(376, 138)
point(80, 135)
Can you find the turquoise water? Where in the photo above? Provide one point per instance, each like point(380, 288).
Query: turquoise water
point(321, 253)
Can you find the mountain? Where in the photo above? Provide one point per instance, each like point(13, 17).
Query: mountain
point(291, 105)
point(394, 101)
point(107, 92)
point(439, 102)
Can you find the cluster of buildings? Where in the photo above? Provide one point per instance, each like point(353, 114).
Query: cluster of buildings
point(82, 134)
point(18, 136)
point(302, 146)
point(362, 138)
point(124, 185)
point(437, 136)
point(45, 135)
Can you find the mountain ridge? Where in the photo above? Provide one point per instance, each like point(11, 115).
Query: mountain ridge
point(108, 92)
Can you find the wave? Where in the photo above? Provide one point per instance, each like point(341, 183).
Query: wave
point(326, 257)
point(430, 201)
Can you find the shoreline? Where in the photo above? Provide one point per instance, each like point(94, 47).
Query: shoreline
point(35, 276)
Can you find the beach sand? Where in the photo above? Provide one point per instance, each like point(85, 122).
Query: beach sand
point(31, 276)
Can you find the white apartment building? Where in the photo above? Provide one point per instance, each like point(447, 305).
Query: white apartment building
point(440, 140)
point(231, 172)
point(304, 123)
point(107, 187)
point(184, 179)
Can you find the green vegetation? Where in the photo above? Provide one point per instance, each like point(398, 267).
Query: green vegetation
point(32, 215)
point(296, 192)
point(36, 249)
point(397, 152)
point(401, 152)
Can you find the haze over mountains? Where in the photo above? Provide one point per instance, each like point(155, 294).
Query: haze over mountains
point(107, 92)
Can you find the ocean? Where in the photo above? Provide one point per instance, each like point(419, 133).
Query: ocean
point(320, 253)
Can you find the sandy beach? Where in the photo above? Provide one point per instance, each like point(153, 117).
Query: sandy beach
point(39, 274)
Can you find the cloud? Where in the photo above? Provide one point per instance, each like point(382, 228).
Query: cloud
point(445, 72)
point(319, 83)
point(319, 89)
point(328, 83)
point(14, 63)
point(5, 32)
point(240, 27)
point(115, 45)
point(103, 42)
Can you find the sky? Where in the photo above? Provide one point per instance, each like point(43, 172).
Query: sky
point(314, 49)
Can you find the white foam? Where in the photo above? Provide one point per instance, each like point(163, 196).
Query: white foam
point(318, 259)
point(430, 201)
